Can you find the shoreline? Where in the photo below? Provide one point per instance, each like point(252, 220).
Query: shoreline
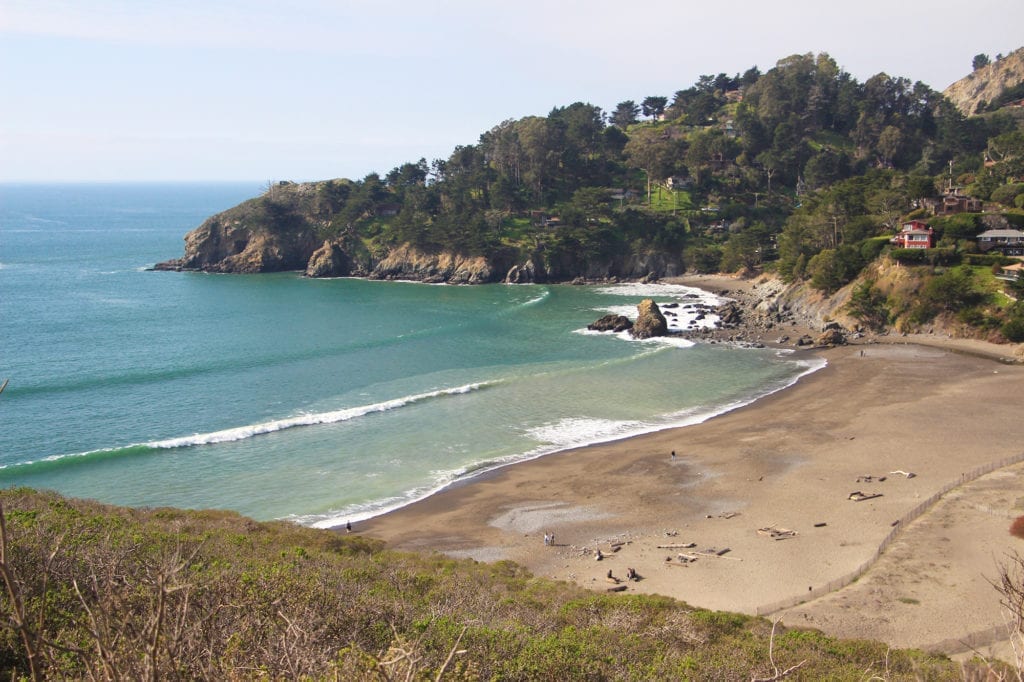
point(786, 461)
point(485, 470)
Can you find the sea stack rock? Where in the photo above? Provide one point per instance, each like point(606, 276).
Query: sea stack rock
point(649, 321)
point(328, 261)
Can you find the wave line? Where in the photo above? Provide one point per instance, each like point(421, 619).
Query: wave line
point(250, 431)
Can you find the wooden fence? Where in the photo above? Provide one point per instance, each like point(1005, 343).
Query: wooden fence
point(898, 527)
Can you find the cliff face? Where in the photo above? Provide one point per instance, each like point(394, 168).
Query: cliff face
point(406, 262)
point(987, 83)
point(255, 236)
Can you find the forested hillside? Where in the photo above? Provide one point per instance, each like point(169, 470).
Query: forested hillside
point(801, 170)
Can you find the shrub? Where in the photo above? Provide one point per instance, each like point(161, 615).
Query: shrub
point(1017, 527)
point(958, 226)
point(1013, 331)
point(870, 249)
point(908, 256)
point(1007, 194)
point(1016, 219)
point(983, 259)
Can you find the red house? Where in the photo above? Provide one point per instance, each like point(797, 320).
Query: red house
point(914, 235)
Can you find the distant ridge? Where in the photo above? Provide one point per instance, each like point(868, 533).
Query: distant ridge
point(980, 88)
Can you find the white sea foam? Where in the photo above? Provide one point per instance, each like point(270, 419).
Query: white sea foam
point(661, 291)
point(332, 417)
point(565, 434)
point(537, 299)
point(581, 430)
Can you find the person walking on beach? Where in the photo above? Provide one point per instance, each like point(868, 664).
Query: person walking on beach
point(547, 539)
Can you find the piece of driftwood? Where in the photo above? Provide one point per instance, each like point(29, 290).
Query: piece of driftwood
point(684, 545)
point(908, 474)
point(708, 555)
point(777, 533)
point(821, 524)
point(617, 588)
point(858, 496)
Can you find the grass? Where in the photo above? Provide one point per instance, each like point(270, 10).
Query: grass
point(665, 200)
point(141, 594)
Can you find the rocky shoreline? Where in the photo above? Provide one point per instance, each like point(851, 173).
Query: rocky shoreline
point(756, 313)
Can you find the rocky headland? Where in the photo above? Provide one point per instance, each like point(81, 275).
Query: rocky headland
point(296, 227)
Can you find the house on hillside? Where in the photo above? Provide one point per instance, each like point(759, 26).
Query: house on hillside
point(1006, 242)
point(1011, 273)
point(952, 201)
point(914, 235)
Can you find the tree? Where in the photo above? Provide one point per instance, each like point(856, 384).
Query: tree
point(889, 142)
point(832, 268)
point(868, 305)
point(888, 205)
point(980, 61)
point(654, 106)
point(654, 152)
point(625, 114)
point(745, 249)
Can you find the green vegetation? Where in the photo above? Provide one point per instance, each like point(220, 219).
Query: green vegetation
point(99, 592)
point(801, 170)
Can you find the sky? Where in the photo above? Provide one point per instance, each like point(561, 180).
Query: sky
point(264, 90)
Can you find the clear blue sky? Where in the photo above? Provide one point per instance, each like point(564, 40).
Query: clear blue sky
point(111, 90)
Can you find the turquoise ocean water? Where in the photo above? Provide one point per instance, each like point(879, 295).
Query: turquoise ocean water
point(316, 400)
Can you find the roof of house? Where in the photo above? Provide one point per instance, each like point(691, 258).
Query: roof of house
point(1002, 234)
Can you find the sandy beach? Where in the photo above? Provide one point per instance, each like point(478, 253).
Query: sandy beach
point(698, 527)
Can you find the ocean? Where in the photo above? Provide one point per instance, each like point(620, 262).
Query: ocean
point(318, 401)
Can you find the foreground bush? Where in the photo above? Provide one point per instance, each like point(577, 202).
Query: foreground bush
point(99, 592)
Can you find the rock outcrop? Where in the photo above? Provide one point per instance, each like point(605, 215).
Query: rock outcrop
point(270, 233)
point(831, 337)
point(529, 272)
point(239, 243)
point(329, 261)
point(649, 321)
point(985, 85)
point(406, 262)
point(611, 323)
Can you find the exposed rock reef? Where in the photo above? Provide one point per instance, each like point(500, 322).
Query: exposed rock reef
point(611, 323)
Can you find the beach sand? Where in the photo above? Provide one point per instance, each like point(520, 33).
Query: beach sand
point(789, 461)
